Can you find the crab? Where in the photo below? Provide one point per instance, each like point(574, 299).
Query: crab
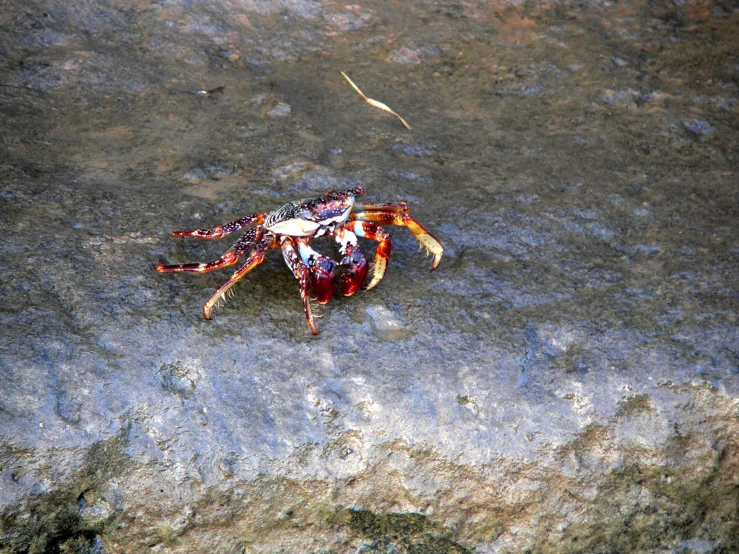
point(293, 226)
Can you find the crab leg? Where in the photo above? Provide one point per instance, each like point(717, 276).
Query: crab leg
point(255, 258)
point(302, 274)
point(223, 230)
point(394, 216)
point(231, 256)
point(384, 249)
point(353, 260)
point(397, 207)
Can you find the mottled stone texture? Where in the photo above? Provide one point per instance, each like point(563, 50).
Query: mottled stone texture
point(566, 381)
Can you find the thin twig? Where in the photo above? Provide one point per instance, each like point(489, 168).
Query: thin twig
point(375, 103)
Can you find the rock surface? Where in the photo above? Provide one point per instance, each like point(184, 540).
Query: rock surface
point(566, 381)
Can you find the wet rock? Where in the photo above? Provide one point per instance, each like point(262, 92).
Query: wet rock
point(68, 408)
point(212, 173)
point(352, 18)
point(386, 324)
point(619, 62)
point(622, 97)
point(281, 109)
point(408, 56)
point(566, 379)
point(698, 127)
point(178, 378)
point(416, 149)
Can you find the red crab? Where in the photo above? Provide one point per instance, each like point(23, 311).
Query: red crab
point(293, 226)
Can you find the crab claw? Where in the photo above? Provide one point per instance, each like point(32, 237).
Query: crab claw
point(356, 272)
point(324, 280)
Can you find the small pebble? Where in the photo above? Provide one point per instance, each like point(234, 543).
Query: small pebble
point(698, 126)
point(404, 56)
point(281, 109)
